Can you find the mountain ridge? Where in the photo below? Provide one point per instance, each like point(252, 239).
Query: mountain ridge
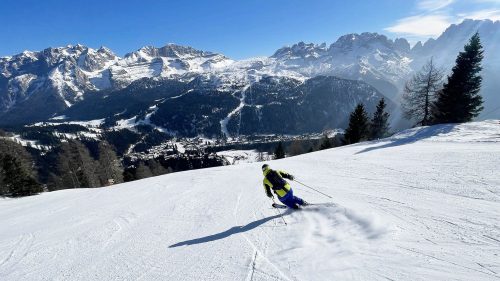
point(65, 76)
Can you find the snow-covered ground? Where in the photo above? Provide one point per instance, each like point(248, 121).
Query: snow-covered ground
point(423, 205)
point(243, 156)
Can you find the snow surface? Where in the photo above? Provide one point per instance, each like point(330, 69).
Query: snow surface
point(236, 156)
point(422, 205)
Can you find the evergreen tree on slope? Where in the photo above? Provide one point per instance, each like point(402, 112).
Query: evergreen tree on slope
point(379, 127)
point(358, 128)
point(279, 152)
point(459, 101)
point(17, 181)
point(326, 143)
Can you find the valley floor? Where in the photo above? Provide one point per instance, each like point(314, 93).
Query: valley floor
point(422, 205)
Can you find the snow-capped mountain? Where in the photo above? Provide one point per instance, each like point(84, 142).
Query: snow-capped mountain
point(452, 40)
point(70, 71)
point(35, 86)
point(370, 57)
point(167, 62)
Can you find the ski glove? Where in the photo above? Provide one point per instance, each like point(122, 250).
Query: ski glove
point(291, 177)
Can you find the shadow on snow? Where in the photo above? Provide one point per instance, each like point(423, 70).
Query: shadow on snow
point(420, 135)
point(229, 232)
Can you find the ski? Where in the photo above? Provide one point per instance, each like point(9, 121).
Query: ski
point(275, 205)
point(321, 204)
point(281, 206)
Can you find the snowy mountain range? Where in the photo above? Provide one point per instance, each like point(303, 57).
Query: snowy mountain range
point(36, 86)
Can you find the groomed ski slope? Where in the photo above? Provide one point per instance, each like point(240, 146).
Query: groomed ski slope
point(423, 205)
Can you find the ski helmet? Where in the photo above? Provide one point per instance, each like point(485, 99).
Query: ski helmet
point(265, 167)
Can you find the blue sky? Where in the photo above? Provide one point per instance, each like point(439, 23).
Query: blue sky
point(236, 28)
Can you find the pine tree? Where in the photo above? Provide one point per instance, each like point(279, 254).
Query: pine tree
point(358, 128)
point(155, 167)
point(279, 152)
point(16, 180)
point(459, 101)
point(420, 93)
point(326, 143)
point(4, 190)
point(296, 148)
point(379, 125)
point(142, 171)
point(18, 175)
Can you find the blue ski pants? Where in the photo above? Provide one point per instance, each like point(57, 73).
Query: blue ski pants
point(291, 200)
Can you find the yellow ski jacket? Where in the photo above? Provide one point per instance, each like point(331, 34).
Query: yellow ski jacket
point(273, 180)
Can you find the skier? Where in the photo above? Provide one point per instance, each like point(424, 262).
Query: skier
point(274, 180)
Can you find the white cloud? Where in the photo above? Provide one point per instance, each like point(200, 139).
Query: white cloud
point(488, 1)
point(422, 25)
point(493, 14)
point(433, 5)
point(432, 17)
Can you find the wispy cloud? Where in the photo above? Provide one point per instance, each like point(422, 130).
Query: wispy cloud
point(491, 14)
point(433, 5)
point(431, 17)
point(422, 25)
point(487, 1)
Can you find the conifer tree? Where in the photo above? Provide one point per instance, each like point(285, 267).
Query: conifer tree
point(296, 148)
point(358, 128)
point(379, 125)
point(18, 175)
point(279, 152)
point(142, 171)
point(459, 101)
point(16, 180)
point(325, 143)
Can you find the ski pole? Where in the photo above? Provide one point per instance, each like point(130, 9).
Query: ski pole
point(279, 212)
point(313, 189)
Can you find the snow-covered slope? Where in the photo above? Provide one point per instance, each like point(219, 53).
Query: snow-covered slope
point(422, 205)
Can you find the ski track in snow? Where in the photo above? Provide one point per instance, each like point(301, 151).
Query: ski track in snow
point(418, 209)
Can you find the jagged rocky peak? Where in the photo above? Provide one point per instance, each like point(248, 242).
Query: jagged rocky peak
point(301, 50)
point(368, 40)
point(92, 60)
point(488, 29)
point(54, 56)
point(173, 50)
point(402, 44)
point(106, 52)
point(168, 51)
point(25, 55)
point(469, 26)
point(417, 47)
